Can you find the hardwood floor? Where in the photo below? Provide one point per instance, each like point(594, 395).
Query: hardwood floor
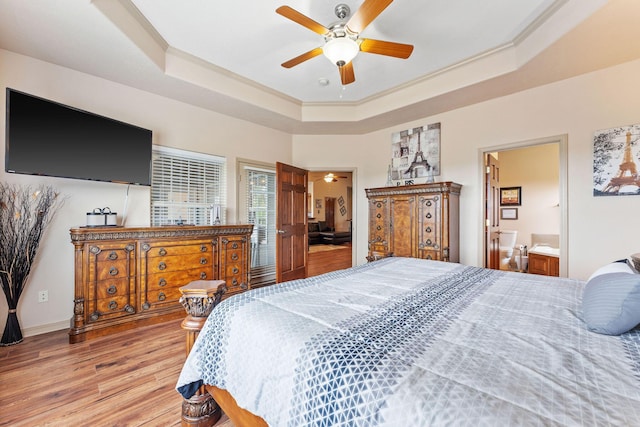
point(323, 261)
point(125, 379)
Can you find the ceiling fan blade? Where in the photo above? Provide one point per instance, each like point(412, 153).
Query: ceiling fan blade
point(301, 19)
point(301, 58)
point(346, 74)
point(367, 12)
point(379, 47)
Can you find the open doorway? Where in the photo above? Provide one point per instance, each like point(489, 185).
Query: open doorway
point(330, 221)
point(525, 205)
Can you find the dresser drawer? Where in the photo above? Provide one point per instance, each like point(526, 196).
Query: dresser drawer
point(105, 270)
point(161, 296)
point(162, 249)
point(179, 263)
point(112, 288)
point(176, 279)
point(107, 308)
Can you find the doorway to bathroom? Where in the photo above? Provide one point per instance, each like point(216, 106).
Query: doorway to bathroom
point(524, 198)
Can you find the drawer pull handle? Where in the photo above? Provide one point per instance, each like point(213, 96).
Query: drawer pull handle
point(234, 281)
point(203, 248)
point(162, 296)
point(234, 245)
point(234, 257)
point(162, 266)
point(112, 290)
point(429, 257)
point(113, 305)
point(146, 305)
point(128, 308)
point(244, 286)
point(113, 271)
point(162, 251)
point(162, 282)
point(203, 275)
point(95, 316)
point(235, 270)
point(113, 255)
point(203, 261)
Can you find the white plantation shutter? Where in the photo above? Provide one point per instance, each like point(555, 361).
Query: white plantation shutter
point(185, 186)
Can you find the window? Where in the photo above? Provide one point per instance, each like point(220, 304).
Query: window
point(186, 187)
point(258, 191)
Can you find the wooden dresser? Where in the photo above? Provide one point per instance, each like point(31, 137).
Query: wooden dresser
point(127, 277)
point(419, 221)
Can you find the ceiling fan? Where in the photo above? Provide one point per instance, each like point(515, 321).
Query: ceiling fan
point(342, 39)
point(330, 177)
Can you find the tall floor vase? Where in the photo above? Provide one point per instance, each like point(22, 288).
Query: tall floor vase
point(24, 215)
point(12, 333)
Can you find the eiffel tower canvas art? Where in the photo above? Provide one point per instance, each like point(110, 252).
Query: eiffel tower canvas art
point(616, 156)
point(415, 155)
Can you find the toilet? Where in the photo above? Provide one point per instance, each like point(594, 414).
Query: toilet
point(507, 244)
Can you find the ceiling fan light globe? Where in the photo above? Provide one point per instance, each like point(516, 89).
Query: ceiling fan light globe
point(341, 50)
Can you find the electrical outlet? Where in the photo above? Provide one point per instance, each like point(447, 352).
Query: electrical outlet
point(43, 296)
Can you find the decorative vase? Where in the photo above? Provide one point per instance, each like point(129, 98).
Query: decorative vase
point(12, 333)
point(24, 215)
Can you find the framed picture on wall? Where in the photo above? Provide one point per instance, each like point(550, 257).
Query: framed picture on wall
point(510, 196)
point(508, 213)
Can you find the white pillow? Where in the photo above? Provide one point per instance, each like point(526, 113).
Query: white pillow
point(614, 267)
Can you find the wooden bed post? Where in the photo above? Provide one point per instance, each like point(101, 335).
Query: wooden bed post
point(198, 299)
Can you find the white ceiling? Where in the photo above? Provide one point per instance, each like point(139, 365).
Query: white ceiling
point(225, 55)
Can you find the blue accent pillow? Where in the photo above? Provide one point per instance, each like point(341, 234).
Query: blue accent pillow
point(611, 303)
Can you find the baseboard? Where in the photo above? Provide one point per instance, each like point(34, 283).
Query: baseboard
point(43, 329)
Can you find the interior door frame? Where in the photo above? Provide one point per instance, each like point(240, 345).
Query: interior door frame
point(355, 190)
point(562, 141)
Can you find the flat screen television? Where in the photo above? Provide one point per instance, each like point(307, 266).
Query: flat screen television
point(47, 138)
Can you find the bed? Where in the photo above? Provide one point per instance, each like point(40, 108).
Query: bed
point(409, 342)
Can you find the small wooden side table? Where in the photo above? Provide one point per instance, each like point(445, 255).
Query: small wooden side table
point(198, 299)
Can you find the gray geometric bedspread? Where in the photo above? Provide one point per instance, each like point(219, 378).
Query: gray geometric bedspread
point(407, 342)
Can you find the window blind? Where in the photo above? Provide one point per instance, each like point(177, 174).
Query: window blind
point(186, 187)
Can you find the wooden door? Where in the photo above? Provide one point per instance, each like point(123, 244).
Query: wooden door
point(492, 213)
point(329, 212)
point(291, 222)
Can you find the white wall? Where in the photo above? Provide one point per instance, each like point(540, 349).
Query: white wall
point(536, 170)
point(174, 124)
point(599, 229)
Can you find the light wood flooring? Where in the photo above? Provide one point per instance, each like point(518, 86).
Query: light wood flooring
point(125, 379)
point(326, 258)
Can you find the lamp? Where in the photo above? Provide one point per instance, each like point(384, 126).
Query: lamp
point(329, 177)
point(341, 50)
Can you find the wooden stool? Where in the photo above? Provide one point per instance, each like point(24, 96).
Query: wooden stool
point(198, 299)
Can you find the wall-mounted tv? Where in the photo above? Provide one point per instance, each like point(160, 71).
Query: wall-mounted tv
point(47, 138)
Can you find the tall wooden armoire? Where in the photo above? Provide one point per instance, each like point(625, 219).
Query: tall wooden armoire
point(418, 221)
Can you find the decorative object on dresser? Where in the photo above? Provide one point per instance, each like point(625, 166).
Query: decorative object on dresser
point(130, 276)
point(419, 221)
point(25, 213)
